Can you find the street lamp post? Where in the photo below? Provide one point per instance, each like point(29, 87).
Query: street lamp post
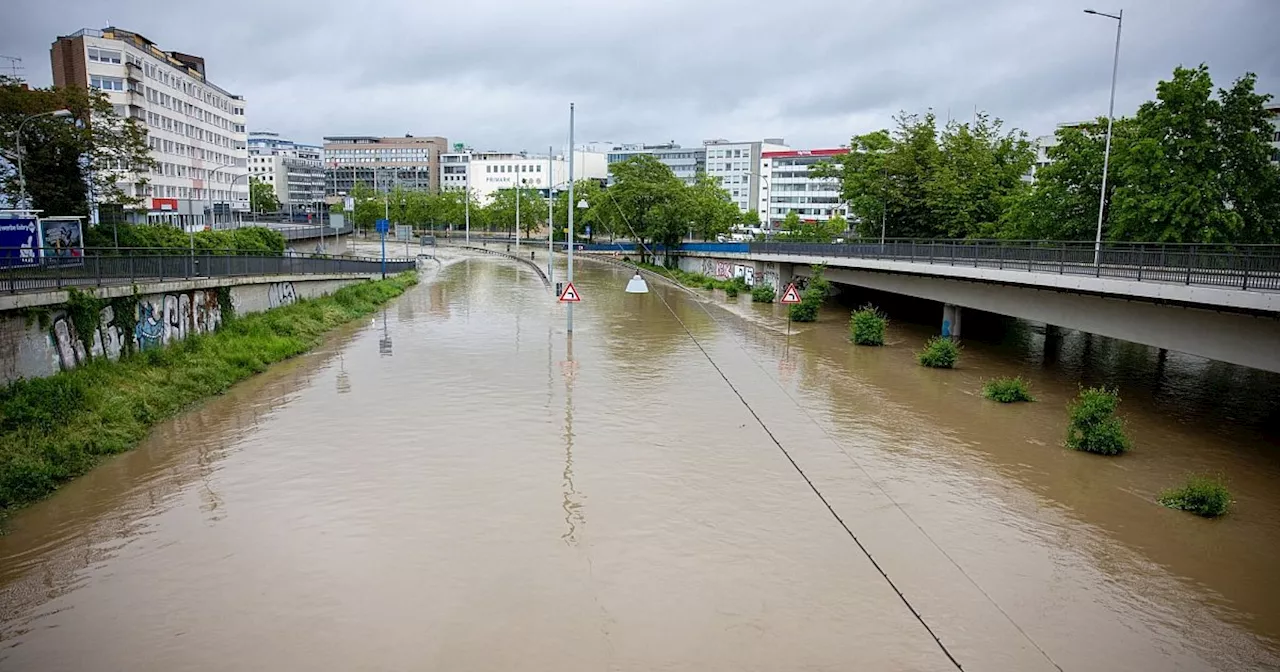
point(22, 179)
point(467, 204)
point(569, 234)
point(517, 181)
point(1106, 153)
point(551, 217)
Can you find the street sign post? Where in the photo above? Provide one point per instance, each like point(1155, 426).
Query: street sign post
point(790, 298)
point(570, 295)
point(382, 225)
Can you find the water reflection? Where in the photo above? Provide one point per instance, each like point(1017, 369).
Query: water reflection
point(573, 515)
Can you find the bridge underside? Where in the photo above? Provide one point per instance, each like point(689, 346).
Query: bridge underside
point(1234, 337)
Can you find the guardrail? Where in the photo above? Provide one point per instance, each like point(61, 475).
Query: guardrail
point(528, 262)
point(1248, 267)
point(22, 270)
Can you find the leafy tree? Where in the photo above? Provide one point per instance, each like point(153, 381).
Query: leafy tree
point(262, 196)
point(650, 199)
point(708, 207)
point(601, 214)
point(63, 159)
point(1186, 168)
point(791, 223)
point(927, 184)
point(750, 219)
point(502, 210)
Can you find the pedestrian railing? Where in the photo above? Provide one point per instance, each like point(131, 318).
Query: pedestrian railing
point(27, 269)
point(1249, 267)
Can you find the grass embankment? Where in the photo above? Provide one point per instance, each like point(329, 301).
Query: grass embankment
point(54, 429)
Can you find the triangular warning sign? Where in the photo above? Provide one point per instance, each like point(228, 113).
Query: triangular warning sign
point(791, 295)
point(569, 293)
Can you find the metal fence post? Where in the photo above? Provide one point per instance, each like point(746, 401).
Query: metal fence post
point(1190, 255)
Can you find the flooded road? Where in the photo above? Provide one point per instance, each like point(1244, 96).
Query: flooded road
point(457, 484)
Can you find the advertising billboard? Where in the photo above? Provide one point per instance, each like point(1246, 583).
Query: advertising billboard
point(19, 241)
point(62, 240)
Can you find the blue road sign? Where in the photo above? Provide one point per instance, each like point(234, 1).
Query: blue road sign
point(382, 225)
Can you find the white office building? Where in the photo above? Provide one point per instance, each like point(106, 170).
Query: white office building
point(295, 171)
point(789, 186)
point(685, 162)
point(736, 166)
point(196, 129)
point(489, 172)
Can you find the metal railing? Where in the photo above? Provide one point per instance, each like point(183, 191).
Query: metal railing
point(22, 270)
point(1248, 267)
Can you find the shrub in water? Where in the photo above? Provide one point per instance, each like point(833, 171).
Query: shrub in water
point(812, 297)
point(1093, 425)
point(866, 326)
point(939, 352)
point(762, 294)
point(1202, 495)
point(1007, 390)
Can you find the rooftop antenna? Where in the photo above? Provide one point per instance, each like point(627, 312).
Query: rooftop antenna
point(15, 64)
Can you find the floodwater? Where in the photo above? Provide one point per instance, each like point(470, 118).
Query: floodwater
point(458, 484)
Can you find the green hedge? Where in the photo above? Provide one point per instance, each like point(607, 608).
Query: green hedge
point(56, 428)
point(244, 240)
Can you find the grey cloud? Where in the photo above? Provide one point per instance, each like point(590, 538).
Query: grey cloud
point(499, 73)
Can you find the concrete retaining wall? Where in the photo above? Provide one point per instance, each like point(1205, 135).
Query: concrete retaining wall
point(40, 339)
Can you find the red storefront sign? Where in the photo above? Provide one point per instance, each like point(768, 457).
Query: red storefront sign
point(166, 204)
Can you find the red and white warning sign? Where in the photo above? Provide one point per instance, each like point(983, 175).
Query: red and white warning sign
point(569, 294)
point(791, 295)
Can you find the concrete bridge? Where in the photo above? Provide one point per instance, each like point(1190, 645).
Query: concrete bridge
point(1213, 302)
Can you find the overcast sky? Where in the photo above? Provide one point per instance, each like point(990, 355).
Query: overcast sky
point(499, 74)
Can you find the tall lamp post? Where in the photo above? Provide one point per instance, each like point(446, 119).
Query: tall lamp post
point(1106, 154)
point(22, 180)
point(569, 234)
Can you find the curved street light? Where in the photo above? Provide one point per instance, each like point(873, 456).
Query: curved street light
point(1106, 153)
point(22, 180)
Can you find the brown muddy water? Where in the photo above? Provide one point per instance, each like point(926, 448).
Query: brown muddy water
point(457, 484)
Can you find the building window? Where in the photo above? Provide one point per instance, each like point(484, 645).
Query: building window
point(107, 83)
point(103, 55)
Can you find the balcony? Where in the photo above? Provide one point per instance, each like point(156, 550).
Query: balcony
point(133, 72)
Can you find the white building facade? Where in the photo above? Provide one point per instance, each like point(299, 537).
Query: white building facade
point(195, 129)
point(737, 166)
point(486, 173)
point(295, 171)
point(685, 162)
point(789, 186)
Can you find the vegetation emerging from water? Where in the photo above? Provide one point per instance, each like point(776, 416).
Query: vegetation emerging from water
point(866, 326)
point(1202, 495)
point(1007, 390)
point(56, 428)
point(731, 286)
point(1093, 425)
point(762, 294)
point(939, 352)
point(812, 297)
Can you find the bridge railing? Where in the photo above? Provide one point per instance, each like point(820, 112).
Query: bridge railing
point(1255, 267)
point(27, 269)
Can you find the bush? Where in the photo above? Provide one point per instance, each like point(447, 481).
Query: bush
point(866, 326)
point(735, 286)
point(1093, 426)
point(812, 297)
point(1202, 495)
point(244, 240)
point(1007, 390)
point(762, 294)
point(939, 352)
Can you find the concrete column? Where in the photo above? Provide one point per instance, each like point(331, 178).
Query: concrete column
point(786, 273)
point(950, 320)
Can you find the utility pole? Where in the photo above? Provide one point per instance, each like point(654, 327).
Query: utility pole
point(517, 180)
point(468, 198)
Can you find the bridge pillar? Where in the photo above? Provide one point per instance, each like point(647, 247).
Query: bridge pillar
point(950, 320)
point(786, 274)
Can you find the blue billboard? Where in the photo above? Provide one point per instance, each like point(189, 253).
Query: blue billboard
point(19, 241)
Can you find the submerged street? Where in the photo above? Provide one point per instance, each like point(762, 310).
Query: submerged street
point(459, 484)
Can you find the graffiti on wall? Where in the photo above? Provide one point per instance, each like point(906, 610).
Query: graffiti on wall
point(161, 320)
point(724, 270)
point(280, 294)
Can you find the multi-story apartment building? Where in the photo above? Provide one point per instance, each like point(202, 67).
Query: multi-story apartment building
point(195, 128)
point(383, 163)
point(736, 166)
point(686, 163)
point(790, 187)
point(488, 172)
point(295, 171)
